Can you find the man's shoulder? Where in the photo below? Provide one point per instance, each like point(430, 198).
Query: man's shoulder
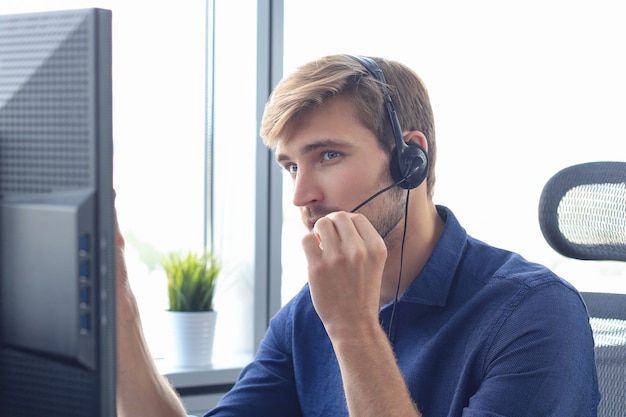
point(491, 262)
point(298, 307)
point(508, 275)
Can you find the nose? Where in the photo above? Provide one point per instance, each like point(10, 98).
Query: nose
point(306, 189)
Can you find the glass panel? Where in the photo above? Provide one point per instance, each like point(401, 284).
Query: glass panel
point(519, 92)
point(161, 119)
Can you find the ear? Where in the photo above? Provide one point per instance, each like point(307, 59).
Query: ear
point(416, 137)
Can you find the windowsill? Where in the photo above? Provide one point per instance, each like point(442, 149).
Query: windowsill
point(224, 371)
point(201, 388)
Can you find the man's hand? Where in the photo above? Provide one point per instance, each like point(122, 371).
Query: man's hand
point(346, 258)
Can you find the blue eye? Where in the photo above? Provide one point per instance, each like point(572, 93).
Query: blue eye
point(292, 168)
point(330, 155)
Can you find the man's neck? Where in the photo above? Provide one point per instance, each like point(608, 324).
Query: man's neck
point(424, 228)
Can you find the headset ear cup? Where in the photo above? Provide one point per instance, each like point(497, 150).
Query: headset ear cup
point(409, 167)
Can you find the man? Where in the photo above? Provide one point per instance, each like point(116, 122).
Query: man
point(404, 314)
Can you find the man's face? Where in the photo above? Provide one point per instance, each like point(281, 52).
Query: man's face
point(336, 163)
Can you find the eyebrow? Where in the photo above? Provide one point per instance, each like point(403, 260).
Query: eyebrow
point(311, 147)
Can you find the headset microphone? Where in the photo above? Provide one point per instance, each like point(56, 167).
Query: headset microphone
point(376, 195)
point(409, 162)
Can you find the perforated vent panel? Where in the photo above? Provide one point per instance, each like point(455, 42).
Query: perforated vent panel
point(37, 153)
point(54, 388)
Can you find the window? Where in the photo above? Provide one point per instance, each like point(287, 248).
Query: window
point(519, 91)
point(184, 116)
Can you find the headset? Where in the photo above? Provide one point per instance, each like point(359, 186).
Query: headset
point(409, 162)
point(409, 165)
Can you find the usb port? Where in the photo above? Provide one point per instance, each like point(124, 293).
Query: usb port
point(85, 297)
point(85, 323)
point(83, 244)
point(83, 270)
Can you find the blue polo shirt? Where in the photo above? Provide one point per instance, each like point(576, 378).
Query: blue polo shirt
point(481, 332)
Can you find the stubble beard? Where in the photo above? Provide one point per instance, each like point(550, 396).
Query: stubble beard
point(384, 212)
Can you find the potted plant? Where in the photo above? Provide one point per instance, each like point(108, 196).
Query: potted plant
point(191, 282)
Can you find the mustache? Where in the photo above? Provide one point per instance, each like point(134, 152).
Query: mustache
point(311, 214)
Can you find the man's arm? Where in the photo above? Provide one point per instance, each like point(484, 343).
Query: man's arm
point(141, 389)
point(372, 380)
point(345, 276)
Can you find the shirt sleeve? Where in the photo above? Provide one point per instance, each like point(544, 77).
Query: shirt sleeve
point(266, 387)
point(540, 360)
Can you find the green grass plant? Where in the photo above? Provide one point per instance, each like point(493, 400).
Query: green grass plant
point(191, 280)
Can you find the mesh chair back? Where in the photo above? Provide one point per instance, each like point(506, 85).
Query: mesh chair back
point(582, 214)
point(582, 211)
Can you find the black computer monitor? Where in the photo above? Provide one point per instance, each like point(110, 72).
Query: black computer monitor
point(57, 242)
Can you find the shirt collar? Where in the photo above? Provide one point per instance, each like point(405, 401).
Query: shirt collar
point(432, 284)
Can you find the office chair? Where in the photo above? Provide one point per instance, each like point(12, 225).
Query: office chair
point(582, 215)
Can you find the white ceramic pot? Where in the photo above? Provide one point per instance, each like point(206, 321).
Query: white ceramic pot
point(191, 340)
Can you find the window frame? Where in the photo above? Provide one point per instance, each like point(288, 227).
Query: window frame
point(269, 211)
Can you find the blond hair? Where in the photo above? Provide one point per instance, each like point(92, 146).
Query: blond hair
point(318, 81)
